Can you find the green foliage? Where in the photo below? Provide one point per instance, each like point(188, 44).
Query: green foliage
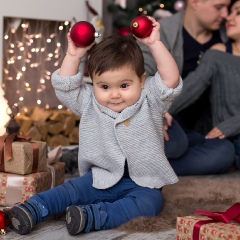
point(122, 17)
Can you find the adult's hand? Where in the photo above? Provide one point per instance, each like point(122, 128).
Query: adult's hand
point(168, 117)
point(215, 133)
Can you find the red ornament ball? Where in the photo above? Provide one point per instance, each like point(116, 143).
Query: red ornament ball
point(4, 220)
point(82, 34)
point(124, 31)
point(141, 26)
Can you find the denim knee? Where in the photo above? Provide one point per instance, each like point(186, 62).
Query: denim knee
point(236, 143)
point(227, 148)
point(150, 203)
point(237, 161)
point(178, 141)
point(226, 154)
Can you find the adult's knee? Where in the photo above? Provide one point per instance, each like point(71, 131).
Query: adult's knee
point(178, 142)
point(225, 154)
point(226, 149)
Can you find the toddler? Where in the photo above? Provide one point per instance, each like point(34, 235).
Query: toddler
point(122, 163)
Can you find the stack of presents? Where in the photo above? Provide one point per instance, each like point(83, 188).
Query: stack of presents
point(27, 169)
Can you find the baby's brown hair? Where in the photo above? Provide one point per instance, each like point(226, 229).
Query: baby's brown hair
point(114, 52)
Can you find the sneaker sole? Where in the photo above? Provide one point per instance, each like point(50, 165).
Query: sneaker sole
point(20, 220)
point(75, 220)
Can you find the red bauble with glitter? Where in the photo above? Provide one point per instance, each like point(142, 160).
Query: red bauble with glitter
point(141, 26)
point(4, 222)
point(83, 34)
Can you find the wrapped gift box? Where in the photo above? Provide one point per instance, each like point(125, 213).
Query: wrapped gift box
point(57, 171)
point(210, 231)
point(22, 158)
point(17, 188)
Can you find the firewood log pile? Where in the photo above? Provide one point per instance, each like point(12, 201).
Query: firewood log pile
point(55, 127)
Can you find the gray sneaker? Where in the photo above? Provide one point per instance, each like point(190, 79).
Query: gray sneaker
point(75, 220)
point(21, 220)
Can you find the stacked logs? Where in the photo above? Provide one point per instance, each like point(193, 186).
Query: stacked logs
point(55, 127)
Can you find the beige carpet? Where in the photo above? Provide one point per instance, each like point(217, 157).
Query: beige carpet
point(210, 193)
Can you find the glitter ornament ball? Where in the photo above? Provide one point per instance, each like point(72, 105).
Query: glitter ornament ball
point(4, 222)
point(83, 34)
point(141, 26)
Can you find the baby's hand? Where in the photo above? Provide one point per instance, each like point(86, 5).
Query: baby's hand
point(75, 51)
point(154, 36)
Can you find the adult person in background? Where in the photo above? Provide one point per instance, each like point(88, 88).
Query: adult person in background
point(187, 35)
point(219, 68)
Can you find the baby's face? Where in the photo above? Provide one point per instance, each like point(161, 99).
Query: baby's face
point(118, 89)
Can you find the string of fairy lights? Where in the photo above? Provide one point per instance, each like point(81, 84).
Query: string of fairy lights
point(33, 49)
point(145, 12)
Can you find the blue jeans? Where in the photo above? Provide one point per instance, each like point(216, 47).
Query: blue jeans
point(111, 207)
point(236, 142)
point(189, 153)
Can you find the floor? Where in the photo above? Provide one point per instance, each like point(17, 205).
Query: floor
point(56, 230)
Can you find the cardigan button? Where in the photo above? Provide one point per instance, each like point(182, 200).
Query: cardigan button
point(127, 122)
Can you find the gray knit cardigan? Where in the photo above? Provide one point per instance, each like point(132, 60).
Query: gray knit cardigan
point(108, 138)
point(221, 71)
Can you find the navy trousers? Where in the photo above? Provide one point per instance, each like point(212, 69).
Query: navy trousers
point(236, 142)
point(109, 207)
point(189, 153)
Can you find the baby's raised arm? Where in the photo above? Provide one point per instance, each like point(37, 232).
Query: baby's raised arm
point(72, 60)
point(166, 65)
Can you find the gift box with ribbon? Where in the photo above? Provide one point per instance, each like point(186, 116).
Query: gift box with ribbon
point(57, 173)
point(21, 155)
point(18, 188)
point(211, 225)
point(56, 168)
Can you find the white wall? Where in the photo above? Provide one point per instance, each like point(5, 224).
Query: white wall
point(58, 10)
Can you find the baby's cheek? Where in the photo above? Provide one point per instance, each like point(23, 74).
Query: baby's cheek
point(101, 97)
